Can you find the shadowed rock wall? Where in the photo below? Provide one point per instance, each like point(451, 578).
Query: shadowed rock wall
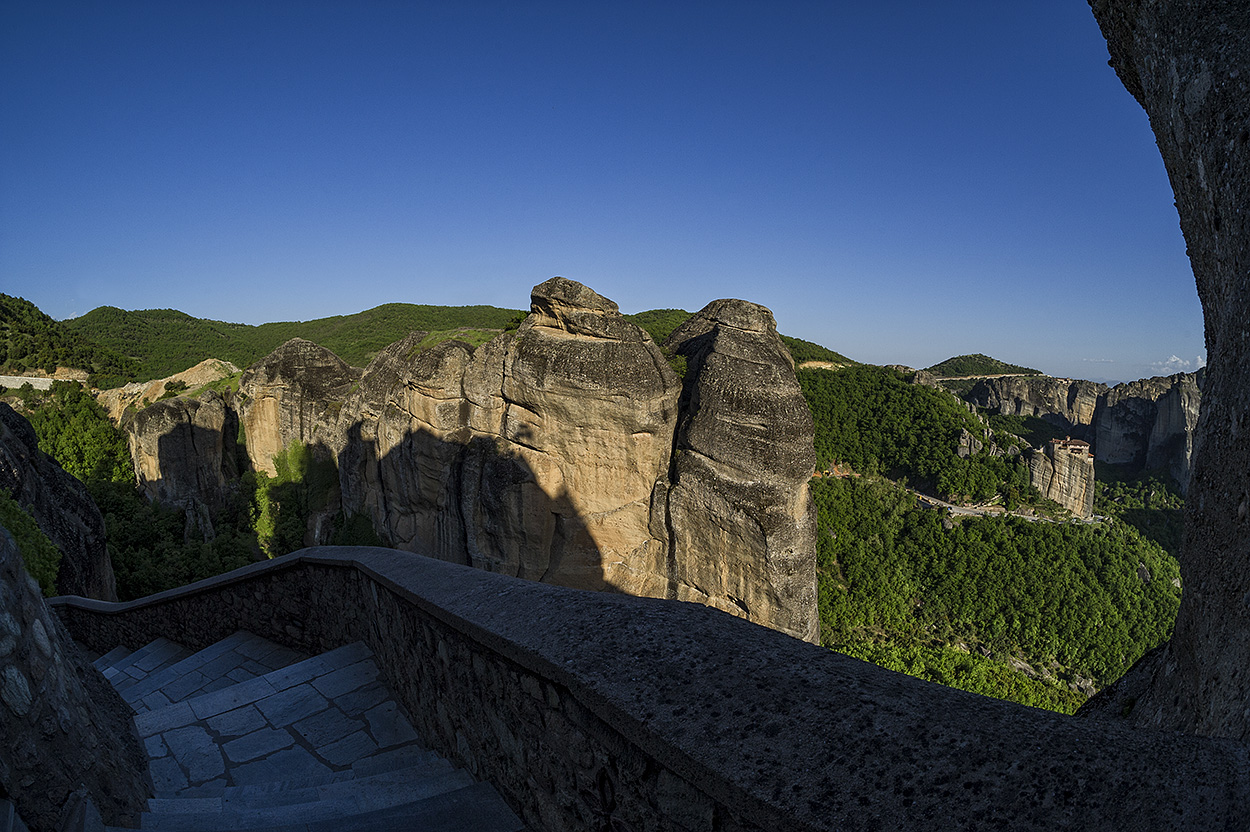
point(1187, 62)
point(64, 732)
point(548, 454)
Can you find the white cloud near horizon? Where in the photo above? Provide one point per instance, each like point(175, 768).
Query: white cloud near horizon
point(1176, 364)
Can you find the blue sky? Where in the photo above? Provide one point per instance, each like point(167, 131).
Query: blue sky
point(900, 181)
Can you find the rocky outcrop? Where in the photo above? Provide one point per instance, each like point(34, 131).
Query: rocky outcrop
point(1062, 401)
point(65, 733)
point(1187, 63)
point(137, 394)
point(741, 521)
point(1063, 471)
point(567, 451)
point(548, 453)
point(288, 396)
point(536, 455)
point(184, 448)
point(1148, 425)
point(1145, 425)
point(60, 505)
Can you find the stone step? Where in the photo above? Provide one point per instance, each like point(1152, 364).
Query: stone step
point(334, 800)
point(236, 658)
point(310, 718)
point(315, 744)
point(413, 759)
point(375, 787)
point(149, 659)
point(116, 654)
point(475, 808)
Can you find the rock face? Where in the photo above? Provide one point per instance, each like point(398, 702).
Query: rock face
point(741, 521)
point(60, 505)
point(183, 448)
point(116, 401)
point(65, 732)
point(1144, 425)
point(1063, 471)
point(1071, 404)
point(1187, 63)
point(548, 454)
point(288, 395)
point(1149, 425)
point(568, 451)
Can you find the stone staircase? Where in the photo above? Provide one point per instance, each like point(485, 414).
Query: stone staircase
point(250, 735)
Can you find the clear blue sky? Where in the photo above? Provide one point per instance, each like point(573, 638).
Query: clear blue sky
point(900, 181)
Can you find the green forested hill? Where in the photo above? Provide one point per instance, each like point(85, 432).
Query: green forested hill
point(873, 420)
point(978, 365)
point(900, 588)
point(30, 340)
point(958, 600)
point(161, 342)
point(165, 341)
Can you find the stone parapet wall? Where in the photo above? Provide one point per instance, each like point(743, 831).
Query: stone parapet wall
point(601, 711)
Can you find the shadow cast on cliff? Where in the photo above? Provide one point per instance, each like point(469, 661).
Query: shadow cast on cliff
point(470, 500)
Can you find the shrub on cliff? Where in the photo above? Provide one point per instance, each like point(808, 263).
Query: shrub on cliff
point(42, 558)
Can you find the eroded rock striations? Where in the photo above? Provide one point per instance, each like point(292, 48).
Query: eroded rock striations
point(740, 518)
point(1063, 401)
point(288, 396)
point(568, 451)
point(1063, 471)
point(1149, 425)
point(65, 733)
point(548, 454)
point(1187, 62)
point(183, 448)
point(60, 505)
point(1145, 425)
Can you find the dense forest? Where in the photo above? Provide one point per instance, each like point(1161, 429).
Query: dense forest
point(873, 420)
point(978, 365)
point(165, 341)
point(999, 605)
point(30, 342)
point(117, 346)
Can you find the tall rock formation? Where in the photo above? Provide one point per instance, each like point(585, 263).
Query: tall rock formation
point(1149, 425)
point(547, 454)
point(741, 520)
point(65, 734)
point(183, 448)
point(1144, 425)
point(1063, 471)
point(60, 505)
point(1187, 62)
point(289, 395)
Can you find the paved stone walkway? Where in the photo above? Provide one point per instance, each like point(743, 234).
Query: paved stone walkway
point(247, 734)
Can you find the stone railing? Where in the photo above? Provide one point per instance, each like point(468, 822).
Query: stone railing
point(593, 711)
